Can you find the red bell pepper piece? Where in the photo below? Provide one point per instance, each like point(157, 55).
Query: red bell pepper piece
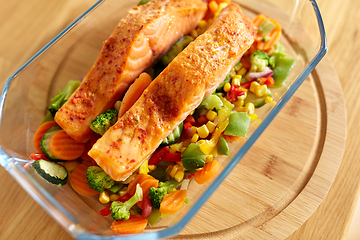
point(38, 156)
point(234, 93)
point(158, 156)
point(187, 125)
point(269, 81)
point(172, 157)
point(190, 119)
point(191, 175)
point(146, 207)
point(246, 85)
point(106, 211)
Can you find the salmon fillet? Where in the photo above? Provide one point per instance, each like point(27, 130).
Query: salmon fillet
point(170, 98)
point(141, 37)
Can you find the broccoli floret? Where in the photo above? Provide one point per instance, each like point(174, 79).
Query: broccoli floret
point(104, 121)
point(121, 210)
point(62, 96)
point(156, 195)
point(259, 60)
point(98, 179)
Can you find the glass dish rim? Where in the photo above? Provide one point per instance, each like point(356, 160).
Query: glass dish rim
point(5, 159)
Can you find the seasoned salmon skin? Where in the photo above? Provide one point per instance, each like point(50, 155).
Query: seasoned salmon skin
point(140, 38)
point(178, 90)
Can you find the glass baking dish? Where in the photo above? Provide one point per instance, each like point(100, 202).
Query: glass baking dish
point(70, 55)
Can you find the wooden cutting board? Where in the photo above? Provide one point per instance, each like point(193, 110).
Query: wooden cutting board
point(286, 174)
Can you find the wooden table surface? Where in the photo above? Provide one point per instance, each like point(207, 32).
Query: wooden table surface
point(26, 26)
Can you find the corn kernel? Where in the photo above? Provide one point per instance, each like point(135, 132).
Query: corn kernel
point(202, 24)
point(174, 170)
point(210, 126)
point(177, 146)
point(104, 197)
point(193, 129)
point(152, 167)
point(250, 108)
point(71, 165)
point(214, 6)
point(209, 158)
point(227, 87)
point(253, 116)
point(203, 131)
point(261, 91)
point(179, 176)
point(242, 71)
point(273, 103)
point(172, 150)
point(253, 86)
point(194, 138)
point(239, 109)
point(122, 192)
point(194, 33)
point(232, 73)
point(239, 102)
point(211, 115)
point(114, 197)
point(236, 81)
point(244, 89)
point(268, 99)
point(238, 66)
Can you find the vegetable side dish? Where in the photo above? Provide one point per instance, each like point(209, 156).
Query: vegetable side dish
point(201, 70)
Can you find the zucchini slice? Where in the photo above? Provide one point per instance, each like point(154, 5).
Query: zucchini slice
point(174, 136)
point(51, 171)
point(257, 101)
point(44, 144)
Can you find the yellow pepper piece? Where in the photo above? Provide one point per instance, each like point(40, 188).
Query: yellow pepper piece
point(144, 169)
point(208, 146)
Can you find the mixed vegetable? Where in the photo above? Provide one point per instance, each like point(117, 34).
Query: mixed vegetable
point(189, 152)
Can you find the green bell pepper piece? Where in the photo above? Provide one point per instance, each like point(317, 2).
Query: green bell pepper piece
point(154, 217)
point(226, 80)
point(282, 70)
point(142, 2)
point(158, 173)
point(266, 27)
point(193, 151)
point(239, 123)
point(223, 147)
point(210, 102)
point(116, 187)
point(192, 162)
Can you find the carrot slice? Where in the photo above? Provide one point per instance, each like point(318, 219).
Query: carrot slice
point(79, 181)
point(134, 92)
point(134, 224)
point(40, 133)
point(273, 37)
point(62, 146)
point(138, 179)
point(173, 202)
point(207, 172)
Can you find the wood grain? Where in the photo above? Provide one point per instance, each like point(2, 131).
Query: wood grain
point(27, 26)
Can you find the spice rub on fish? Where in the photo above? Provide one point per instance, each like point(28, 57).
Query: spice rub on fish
point(141, 37)
point(170, 98)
